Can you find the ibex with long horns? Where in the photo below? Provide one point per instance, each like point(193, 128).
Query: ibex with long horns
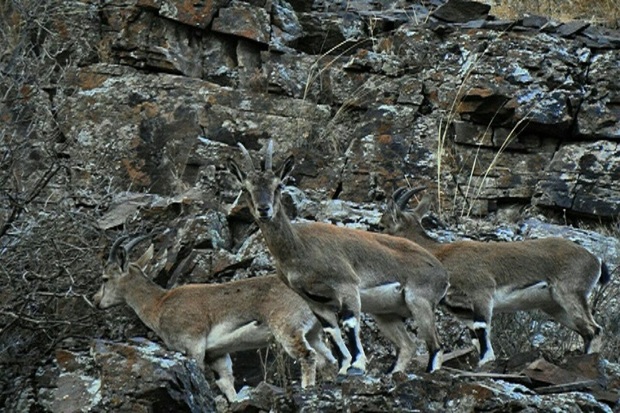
point(340, 271)
point(554, 275)
point(214, 320)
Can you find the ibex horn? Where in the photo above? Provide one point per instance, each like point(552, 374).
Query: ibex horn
point(113, 256)
point(246, 156)
point(404, 198)
point(269, 156)
point(397, 194)
point(130, 245)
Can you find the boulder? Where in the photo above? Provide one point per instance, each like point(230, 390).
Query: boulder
point(582, 178)
point(244, 20)
point(461, 11)
point(123, 377)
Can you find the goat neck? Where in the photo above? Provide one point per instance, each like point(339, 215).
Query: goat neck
point(281, 237)
point(143, 296)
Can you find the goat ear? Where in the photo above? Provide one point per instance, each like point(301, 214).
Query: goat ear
point(423, 206)
point(144, 261)
point(286, 168)
point(236, 171)
point(394, 211)
point(122, 259)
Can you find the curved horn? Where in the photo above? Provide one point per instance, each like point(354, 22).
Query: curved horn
point(113, 256)
point(246, 156)
point(397, 194)
point(404, 199)
point(130, 245)
point(269, 156)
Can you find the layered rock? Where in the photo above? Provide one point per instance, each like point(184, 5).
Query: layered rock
point(501, 104)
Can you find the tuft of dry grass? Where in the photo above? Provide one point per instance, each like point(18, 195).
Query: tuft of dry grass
point(606, 12)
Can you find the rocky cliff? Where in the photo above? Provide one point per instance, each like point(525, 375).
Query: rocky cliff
point(120, 116)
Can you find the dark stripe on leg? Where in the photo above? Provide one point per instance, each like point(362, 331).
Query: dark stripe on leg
point(346, 313)
point(431, 359)
point(334, 347)
point(391, 369)
point(326, 324)
point(481, 334)
point(355, 352)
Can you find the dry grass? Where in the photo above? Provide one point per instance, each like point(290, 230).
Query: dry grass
point(605, 12)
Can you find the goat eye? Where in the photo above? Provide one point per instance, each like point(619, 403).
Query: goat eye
point(280, 186)
point(105, 280)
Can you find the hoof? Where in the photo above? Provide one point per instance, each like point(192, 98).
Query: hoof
point(354, 371)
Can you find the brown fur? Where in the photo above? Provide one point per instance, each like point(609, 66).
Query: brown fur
point(340, 272)
point(552, 274)
point(212, 320)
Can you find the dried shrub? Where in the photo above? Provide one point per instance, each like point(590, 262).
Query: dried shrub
point(49, 246)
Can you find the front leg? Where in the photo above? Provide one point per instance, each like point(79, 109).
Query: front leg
point(329, 322)
point(350, 319)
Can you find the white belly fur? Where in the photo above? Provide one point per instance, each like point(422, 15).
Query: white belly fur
point(230, 337)
point(535, 296)
point(384, 299)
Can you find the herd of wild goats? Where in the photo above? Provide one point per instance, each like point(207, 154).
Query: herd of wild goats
point(327, 275)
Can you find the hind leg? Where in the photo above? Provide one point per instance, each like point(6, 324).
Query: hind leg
point(424, 312)
point(393, 327)
point(573, 311)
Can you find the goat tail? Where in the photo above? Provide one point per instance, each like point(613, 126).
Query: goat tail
point(605, 274)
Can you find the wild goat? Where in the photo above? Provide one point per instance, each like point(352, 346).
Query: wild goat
point(340, 271)
point(216, 319)
point(554, 275)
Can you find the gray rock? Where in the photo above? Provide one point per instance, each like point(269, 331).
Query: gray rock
point(244, 20)
point(582, 178)
point(198, 14)
point(330, 34)
point(604, 247)
point(123, 377)
point(285, 27)
point(597, 117)
point(534, 21)
point(460, 11)
point(572, 28)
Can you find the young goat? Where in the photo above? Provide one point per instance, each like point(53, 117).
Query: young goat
point(554, 275)
point(340, 271)
point(216, 319)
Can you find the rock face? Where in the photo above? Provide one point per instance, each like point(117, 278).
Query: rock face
point(509, 110)
point(120, 116)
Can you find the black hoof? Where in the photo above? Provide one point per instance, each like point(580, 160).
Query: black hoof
point(354, 371)
point(340, 378)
